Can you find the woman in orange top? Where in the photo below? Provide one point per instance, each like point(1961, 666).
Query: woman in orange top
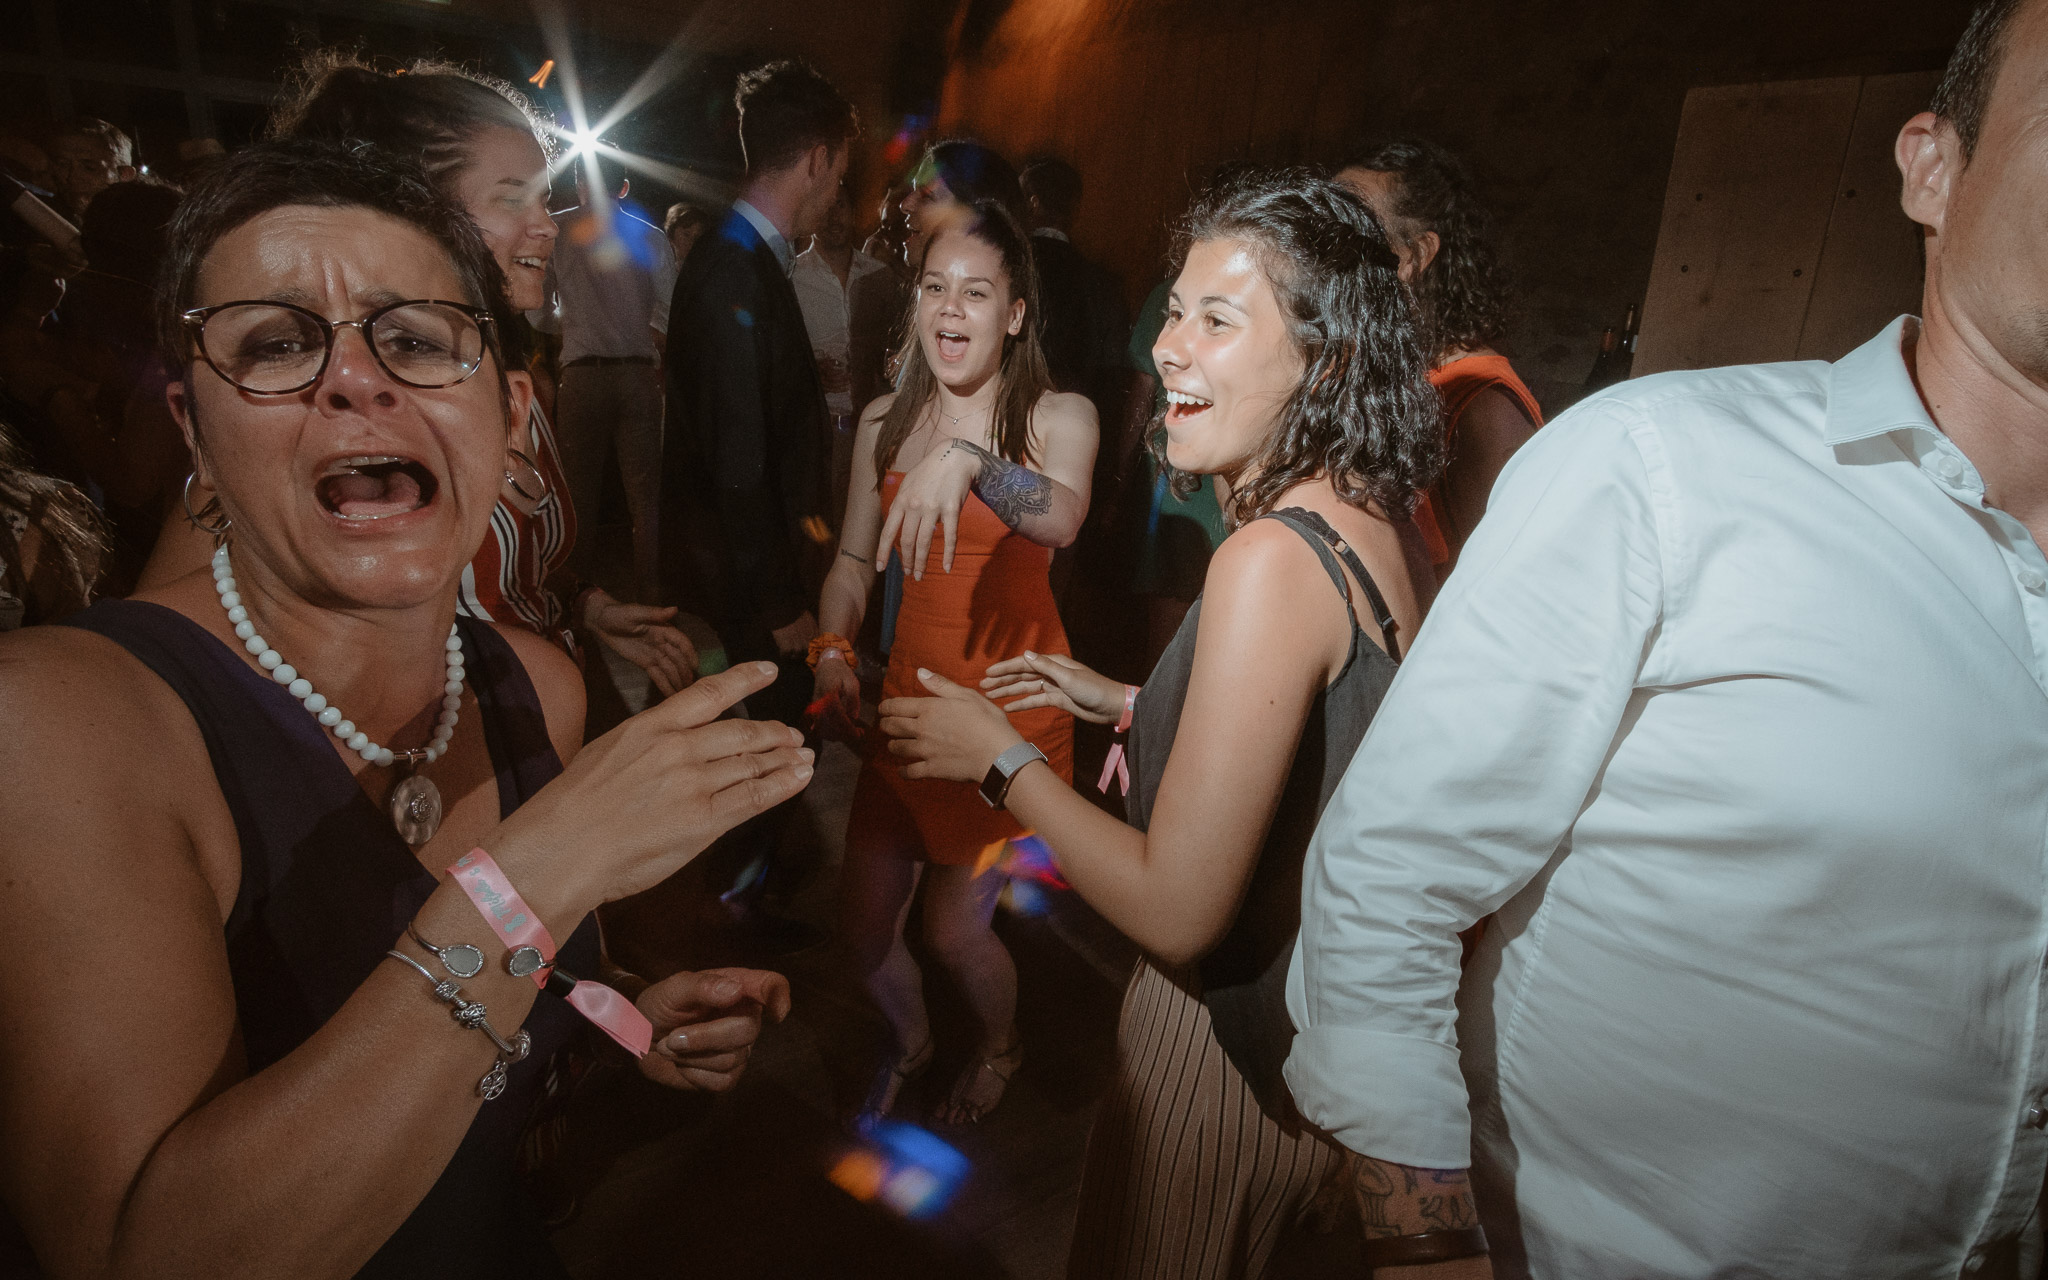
point(977, 468)
point(1423, 196)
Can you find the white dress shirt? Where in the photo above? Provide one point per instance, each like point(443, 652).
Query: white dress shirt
point(778, 244)
point(612, 285)
point(827, 310)
point(1734, 710)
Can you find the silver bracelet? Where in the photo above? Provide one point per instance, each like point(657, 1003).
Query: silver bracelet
point(461, 959)
point(471, 1014)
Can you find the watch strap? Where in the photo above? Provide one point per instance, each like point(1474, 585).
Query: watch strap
point(995, 786)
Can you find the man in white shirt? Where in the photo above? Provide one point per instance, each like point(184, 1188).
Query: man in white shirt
point(824, 277)
point(1736, 712)
point(612, 273)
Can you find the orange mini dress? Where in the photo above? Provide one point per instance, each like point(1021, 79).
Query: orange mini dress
point(996, 603)
point(1458, 383)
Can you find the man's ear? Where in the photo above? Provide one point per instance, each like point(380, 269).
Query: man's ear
point(1929, 156)
point(625, 185)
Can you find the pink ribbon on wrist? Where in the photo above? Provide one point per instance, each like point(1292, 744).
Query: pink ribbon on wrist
point(483, 881)
point(1114, 764)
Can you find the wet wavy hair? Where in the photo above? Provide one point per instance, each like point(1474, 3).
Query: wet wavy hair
point(1364, 413)
point(1022, 376)
point(1463, 294)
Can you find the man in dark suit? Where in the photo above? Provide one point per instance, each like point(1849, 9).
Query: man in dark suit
point(1084, 325)
point(743, 467)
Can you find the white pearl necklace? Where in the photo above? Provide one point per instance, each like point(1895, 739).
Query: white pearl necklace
point(328, 715)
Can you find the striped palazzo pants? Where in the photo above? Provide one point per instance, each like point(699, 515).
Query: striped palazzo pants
point(1186, 1178)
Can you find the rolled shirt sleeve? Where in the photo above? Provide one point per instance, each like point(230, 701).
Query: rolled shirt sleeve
point(1475, 768)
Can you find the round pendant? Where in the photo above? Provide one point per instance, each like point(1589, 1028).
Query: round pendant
point(416, 809)
point(462, 960)
point(524, 962)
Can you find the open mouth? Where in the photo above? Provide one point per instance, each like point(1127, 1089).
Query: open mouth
point(952, 346)
point(375, 487)
point(1180, 406)
point(530, 262)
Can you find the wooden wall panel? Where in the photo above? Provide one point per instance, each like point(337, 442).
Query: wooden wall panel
point(1870, 267)
point(1745, 217)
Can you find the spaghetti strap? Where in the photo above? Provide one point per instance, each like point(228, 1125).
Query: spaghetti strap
point(1325, 539)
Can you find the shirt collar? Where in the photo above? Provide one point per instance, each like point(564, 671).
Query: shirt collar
point(774, 239)
point(1870, 391)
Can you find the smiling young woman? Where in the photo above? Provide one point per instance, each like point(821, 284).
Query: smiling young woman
point(977, 468)
point(1293, 375)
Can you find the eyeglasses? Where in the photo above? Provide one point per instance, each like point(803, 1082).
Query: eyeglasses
point(275, 348)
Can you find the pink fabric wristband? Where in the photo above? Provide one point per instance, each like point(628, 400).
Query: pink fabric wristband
point(1114, 765)
point(481, 878)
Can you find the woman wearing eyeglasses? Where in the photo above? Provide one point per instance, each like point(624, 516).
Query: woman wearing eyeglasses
point(482, 146)
point(291, 847)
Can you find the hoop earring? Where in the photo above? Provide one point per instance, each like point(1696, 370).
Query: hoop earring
point(222, 522)
point(534, 471)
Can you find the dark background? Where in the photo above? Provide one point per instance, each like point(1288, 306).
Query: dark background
point(1567, 112)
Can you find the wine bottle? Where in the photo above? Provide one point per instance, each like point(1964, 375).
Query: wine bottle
point(1625, 351)
point(1598, 377)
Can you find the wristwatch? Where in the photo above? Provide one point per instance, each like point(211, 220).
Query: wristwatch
point(995, 788)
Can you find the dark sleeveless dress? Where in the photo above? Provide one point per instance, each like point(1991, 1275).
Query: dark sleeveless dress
point(1197, 1159)
point(328, 886)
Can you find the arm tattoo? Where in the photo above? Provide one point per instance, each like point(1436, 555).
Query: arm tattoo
point(1012, 490)
point(1397, 1200)
point(854, 555)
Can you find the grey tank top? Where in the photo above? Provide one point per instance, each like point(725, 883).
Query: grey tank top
point(1244, 979)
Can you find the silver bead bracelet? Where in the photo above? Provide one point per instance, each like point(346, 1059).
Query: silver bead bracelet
point(470, 1014)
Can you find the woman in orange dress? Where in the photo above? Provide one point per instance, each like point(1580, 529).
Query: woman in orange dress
point(1423, 196)
point(977, 468)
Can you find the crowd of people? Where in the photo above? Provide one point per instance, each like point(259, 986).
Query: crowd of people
point(1671, 903)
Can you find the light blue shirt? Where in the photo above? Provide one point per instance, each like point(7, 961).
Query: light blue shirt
point(766, 230)
point(1736, 711)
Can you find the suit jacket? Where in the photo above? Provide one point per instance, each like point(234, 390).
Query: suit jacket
point(1082, 324)
point(743, 463)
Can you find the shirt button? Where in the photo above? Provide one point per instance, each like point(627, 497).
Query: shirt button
point(2033, 581)
point(1973, 1264)
point(2037, 1117)
point(1949, 467)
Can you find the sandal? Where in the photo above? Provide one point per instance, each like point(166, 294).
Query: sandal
point(983, 1084)
point(887, 1089)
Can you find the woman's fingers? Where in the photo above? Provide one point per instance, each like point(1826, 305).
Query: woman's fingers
point(707, 699)
point(717, 775)
point(887, 542)
point(1031, 703)
point(694, 1042)
point(751, 797)
point(948, 520)
point(898, 729)
point(1017, 666)
point(725, 738)
point(924, 545)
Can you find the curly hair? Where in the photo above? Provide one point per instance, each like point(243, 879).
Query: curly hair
point(1463, 294)
point(1364, 413)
